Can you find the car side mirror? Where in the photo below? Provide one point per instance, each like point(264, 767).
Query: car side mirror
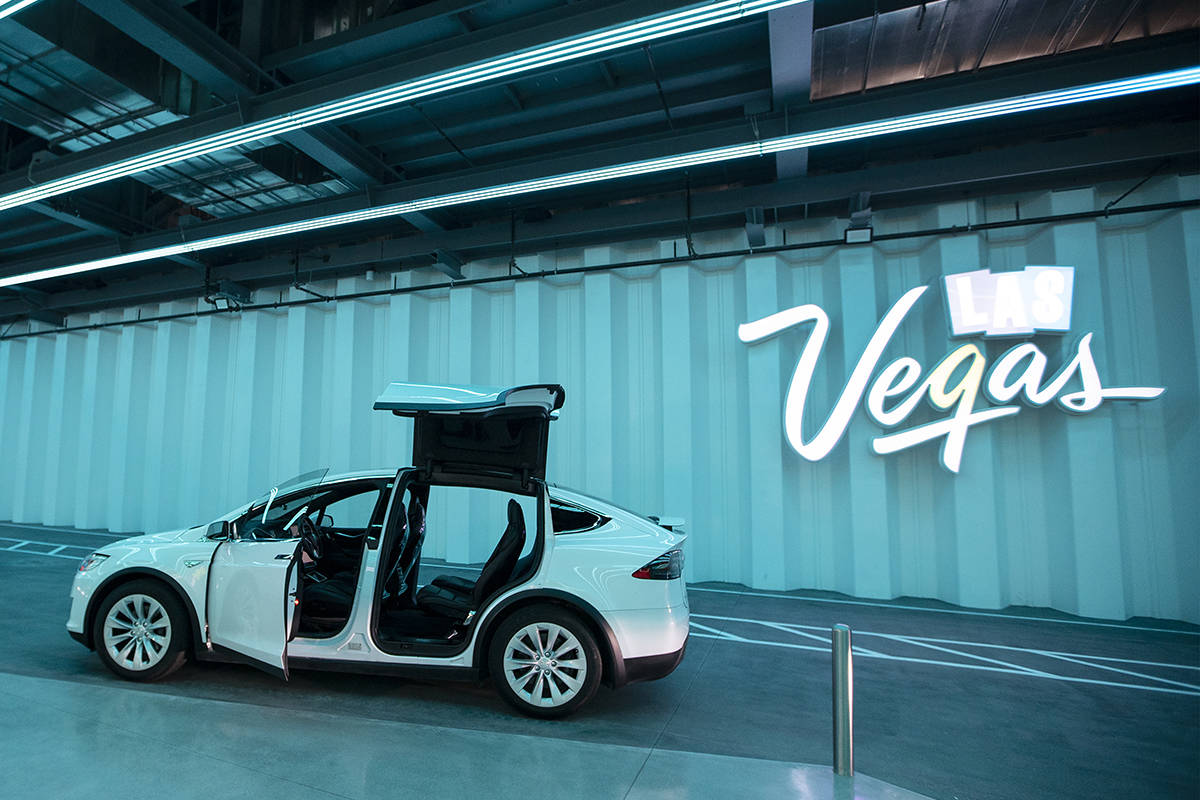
point(221, 530)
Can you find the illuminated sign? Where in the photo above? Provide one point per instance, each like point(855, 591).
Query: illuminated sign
point(1010, 303)
point(1002, 304)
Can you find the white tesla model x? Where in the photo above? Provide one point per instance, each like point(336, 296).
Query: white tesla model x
point(322, 572)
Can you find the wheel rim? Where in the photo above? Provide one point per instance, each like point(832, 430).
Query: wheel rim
point(137, 632)
point(545, 665)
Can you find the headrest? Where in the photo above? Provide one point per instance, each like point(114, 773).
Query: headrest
point(516, 517)
point(416, 518)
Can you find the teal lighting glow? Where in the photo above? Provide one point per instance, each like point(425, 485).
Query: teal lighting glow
point(639, 31)
point(910, 122)
point(10, 7)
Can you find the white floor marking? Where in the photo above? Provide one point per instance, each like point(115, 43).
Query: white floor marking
point(1122, 671)
point(1009, 617)
point(983, 667)
point(54, 552)
point(917, 642)
point(783, 626)
point(935, 644)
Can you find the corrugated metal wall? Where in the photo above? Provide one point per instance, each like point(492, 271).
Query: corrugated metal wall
point(159, 425)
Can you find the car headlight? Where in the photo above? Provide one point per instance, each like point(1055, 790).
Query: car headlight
point(92, 561)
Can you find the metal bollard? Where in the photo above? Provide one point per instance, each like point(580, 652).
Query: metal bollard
point(843, 701)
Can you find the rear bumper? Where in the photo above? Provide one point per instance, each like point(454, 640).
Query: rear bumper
point(79, 637)
point(651, 668)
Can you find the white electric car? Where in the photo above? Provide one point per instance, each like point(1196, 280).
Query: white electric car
point(322, 572)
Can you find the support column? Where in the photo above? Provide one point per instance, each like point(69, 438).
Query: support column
point(127, 468)
point(62, 431)
point(679, 465)
point(977, 527)
point(13, 353)
point(1087, 440)
point(31, 436)
point(95, 421)
point(767, 388)
point(597, 405)
point(871, 568)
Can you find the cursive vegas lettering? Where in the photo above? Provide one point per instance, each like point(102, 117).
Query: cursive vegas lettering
point(953, 385)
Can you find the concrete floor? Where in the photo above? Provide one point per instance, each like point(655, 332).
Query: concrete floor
point(948, 704)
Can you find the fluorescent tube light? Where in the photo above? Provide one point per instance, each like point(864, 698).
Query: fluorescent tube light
point(910, 122)
point(637, 32)
point(10, 7)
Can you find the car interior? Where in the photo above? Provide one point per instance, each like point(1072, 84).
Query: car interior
point(439, 612)
point(332, 523)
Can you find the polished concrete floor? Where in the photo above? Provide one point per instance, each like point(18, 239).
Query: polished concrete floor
point(68, 740)
point(949, 703)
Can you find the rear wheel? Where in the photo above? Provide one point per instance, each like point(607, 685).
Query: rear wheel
point(545, 661)
point(140, 631)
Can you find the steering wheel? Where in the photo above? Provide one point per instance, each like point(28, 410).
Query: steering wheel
point(310, 537)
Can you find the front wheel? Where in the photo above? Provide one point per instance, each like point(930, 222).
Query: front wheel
point(141, 631)
point(545, 661)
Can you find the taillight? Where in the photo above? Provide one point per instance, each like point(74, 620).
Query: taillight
point(664, 568)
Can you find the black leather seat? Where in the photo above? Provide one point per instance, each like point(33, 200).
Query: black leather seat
point(334, 596)
point(447, 597)
point(400, 586)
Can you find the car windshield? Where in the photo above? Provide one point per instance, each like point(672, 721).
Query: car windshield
point(268, 514)
point(310, 478)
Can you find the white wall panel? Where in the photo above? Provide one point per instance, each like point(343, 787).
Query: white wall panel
point(157, 425)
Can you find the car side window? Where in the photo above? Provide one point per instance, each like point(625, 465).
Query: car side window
point(353, 512)
point(567, 518)
point(252, 526)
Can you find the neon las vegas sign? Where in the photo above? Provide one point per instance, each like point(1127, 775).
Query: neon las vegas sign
point(980, 303)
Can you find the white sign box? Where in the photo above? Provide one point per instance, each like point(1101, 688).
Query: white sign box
point(1010, 303)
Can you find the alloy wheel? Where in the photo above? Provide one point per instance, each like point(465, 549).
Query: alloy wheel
point(137, 632)
point(544, 664)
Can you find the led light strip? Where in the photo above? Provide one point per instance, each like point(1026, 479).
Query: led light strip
point(10, 7)
point(637, 32)
point(931, 119)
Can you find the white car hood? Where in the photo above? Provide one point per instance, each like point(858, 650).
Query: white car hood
point(151, 538)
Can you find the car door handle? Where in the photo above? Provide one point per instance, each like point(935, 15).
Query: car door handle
point(284, 557)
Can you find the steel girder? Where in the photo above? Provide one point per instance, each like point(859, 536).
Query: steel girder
point(1027, 160)
point(530, 31)
point(819, 116)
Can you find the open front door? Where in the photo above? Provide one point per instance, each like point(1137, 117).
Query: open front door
point(252, 599)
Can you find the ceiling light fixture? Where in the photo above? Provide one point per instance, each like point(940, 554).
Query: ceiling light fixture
point(910, 122)
point(10, 7)
point(637, 32)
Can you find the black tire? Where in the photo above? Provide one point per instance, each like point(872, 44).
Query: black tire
point(172, 639)
point(557, 680)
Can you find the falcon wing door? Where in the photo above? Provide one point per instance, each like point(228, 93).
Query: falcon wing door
point(495, 434)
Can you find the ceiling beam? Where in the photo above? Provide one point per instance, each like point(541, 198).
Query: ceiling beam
point(818, 117)
point(658, 217)
point(528, 31)
point(790, 32)
point(182, 40)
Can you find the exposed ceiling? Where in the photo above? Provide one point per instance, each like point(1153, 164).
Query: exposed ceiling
point(86, 83)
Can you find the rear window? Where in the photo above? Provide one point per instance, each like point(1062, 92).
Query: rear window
point(567, 518)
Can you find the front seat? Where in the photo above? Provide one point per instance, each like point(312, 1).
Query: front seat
point(400, 587)
point(452, 602)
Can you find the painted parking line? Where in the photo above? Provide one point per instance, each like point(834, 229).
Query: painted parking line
point(714, 629)
point(996, 614)
point(8, 545)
